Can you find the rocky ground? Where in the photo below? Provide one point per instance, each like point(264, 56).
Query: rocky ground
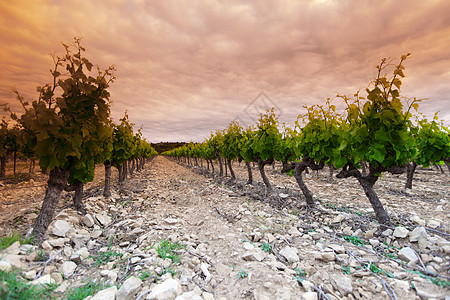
point(229, 240)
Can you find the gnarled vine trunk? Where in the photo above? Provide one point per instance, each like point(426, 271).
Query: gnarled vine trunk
point(233, 176)
point(55, 185)
point(250, 174)
point(107, 187)
point(261, 164)
point(410, 174)
point(298, 175)
point(78, 196)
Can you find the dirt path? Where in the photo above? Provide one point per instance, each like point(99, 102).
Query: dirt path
point(237, 247)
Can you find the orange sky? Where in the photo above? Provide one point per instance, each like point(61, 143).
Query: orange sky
point(187, 67)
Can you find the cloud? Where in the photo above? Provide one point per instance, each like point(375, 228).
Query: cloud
point(185, 68)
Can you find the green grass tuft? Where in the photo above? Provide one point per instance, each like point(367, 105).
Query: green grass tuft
point(11, 287)
point(10, 239)
point(84, 291)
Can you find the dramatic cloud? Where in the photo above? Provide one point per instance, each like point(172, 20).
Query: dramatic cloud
point(185, 68)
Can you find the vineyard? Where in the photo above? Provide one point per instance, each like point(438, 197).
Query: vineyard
point(349, 204)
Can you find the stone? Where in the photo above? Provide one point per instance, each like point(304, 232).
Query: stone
point(189, 296)
point(248, 246)
point(289, 253)
point(408, 254)
point(171, 221)
point(167, 290)
point(67, 268)
point(417, 234)
point(59, 242)
point(428, 290)
point(387, 232)
point(325, 256)
point(374, 242)
point(205, 271)
point(207, 296)
point(46, 279)
point(14, 248)
point(433, 224)
point(310, 296)
point(417, 220)
point(254, 255)
point(30, 275)
point(46, 246)
point(342, 283)
point(338, 219)
point(88, 220)
point(5, 266)
point(283, 196)
point(106, 294)
point(129, 289)
point(104, 220)
point(400, 232)
point(337, 248)
point(15, 261)
point(60, 228)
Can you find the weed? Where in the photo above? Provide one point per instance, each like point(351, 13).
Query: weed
point(266, 247)
point(144, 275)
point(242, 274)
point(41, 255)
point(14, 288)
point(105, 257)
point(300, 274)
point(10, 239)
point(354, 240)
point(166, 249)
point(89, 289)
point(346, 270)
point(435, 280)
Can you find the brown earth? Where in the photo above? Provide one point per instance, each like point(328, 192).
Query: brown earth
point(224, 225)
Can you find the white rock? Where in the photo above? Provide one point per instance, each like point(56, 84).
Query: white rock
point(374, 242)
point(168, 290)
point(59, 242)
point(14, 248)
point(171, 221)
point(103, 219)
point(310, 296)
point(204, 268)
point(417, 234)
point(289, 253)
point(189, 296)
point(408, 254)
point(129, 289)
point(46, 279)
point(325, 256)
point(254, 255)
point(30, 274)
point(67, 268)
point(15, 261)
point(60, 228)
point(5, 266)
point(401, 232)
point(88, 220)
point(338, 219)
point(337, 248)
point(207, 296)
point(342, 283)
point(106, 294)
point(433, 224)
point(387, 232)
point(248, 246)
point(428, 290)
point(416, 219)
point(283, 196)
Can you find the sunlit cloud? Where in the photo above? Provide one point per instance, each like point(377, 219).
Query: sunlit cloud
point(185, 68)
